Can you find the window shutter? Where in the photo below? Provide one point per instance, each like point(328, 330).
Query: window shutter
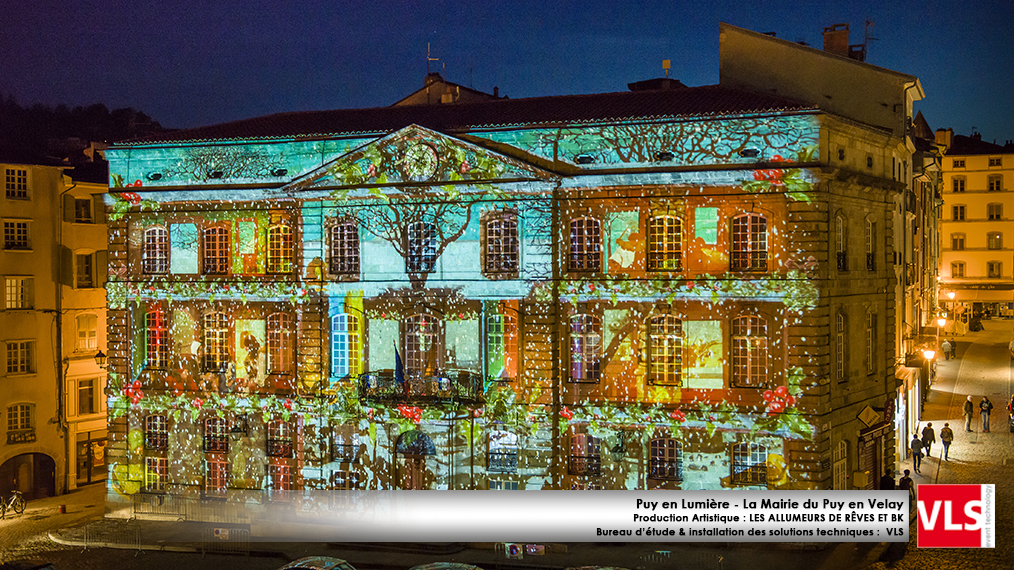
point(101, 267)
point(68, 208)
point(66, 269)
point(98, 209)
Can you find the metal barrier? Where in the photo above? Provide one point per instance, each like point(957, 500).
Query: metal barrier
point(171, 507)
point(225, 540)
point(683, 559)
point(108, 533)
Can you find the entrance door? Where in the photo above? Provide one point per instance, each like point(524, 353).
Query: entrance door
point(412, 472)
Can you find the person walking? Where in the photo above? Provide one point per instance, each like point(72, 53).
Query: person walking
point(954, 348)
point(985, 407)
point(916, 447)
point(946, 437)
point(929, 437)
point(969, 410)
point(946, 348)
point(887, 481)
point(905, 484)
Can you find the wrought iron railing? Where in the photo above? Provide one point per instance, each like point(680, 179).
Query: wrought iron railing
point(279, 448)
point(502, 462)
point(585, 465)
point(665, 470)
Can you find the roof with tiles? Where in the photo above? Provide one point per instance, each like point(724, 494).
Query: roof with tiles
point(691, 102)
point(975, 145)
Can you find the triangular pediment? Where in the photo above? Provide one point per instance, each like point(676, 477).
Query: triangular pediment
point(417, 156)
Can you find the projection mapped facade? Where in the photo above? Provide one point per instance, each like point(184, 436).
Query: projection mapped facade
point(620, 291)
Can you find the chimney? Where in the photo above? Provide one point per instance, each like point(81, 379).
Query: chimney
point(836, 39)
point(496, 92)
point(944, 137)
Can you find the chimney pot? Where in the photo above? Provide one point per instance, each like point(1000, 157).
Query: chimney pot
point(836, 39)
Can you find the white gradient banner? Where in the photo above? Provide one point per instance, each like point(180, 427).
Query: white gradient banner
point(593, 516)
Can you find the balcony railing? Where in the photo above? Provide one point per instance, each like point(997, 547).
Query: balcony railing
point(665, 470)
point(216, 444)
point(502, 462)
point(21, 436)
point(750, 474)
point(451, 385)
point(585, 465)
point(871, 261)
point(279, 448)
point(842, 261)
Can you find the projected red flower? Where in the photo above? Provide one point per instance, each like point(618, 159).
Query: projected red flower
point(678, 416)
point(133, 391)
point(411, 413)
point(778, 400)
point(565, 412)
point(133, 197)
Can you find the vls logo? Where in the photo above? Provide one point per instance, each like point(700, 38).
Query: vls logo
point(957, 516)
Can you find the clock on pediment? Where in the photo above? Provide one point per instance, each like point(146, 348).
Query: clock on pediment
point(420, 162)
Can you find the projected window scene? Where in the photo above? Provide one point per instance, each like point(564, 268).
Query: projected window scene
point(279, 248)
point(585, 348)
point(422, 248)
point(502, 455)
point(665, 367)
point(216, 328)
point(216, 478)
point(501, 347)
point(157, 341)
point(665, 462)
point(343, 254)
point(502, 245)
point(156, 474)
point(422, 344)
point(585, 455)
point(215, 260)
point(749, 464)
point(156, 432)
point(280, 328)
point(346, 349)
point(749, 351)
point(216, 435)
point(750, 243)
point(585, 245)
point(279, 439)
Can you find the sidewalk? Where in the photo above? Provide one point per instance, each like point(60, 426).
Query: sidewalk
point(982, 367)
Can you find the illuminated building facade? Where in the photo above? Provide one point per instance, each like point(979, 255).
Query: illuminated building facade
point(975, 227)
point(676, 288)
point(52, 404)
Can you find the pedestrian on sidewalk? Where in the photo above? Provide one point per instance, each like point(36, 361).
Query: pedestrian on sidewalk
point(985, 407)
point(946, 437)
point(954, 348)
point(969, 410)
point(916, 447)
point(946, 348)
point(887, 481)
point(905, 484)
point(929, 437)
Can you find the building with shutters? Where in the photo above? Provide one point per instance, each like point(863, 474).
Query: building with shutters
point(53, 321)
point(667, 288)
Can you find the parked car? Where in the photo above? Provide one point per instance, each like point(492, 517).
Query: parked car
point(318, 563)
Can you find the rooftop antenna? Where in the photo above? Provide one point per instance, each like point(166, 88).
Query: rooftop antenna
point(429, 59)
point(666, 64)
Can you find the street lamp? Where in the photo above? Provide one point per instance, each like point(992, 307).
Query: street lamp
point(940, 324)
point(100, 359)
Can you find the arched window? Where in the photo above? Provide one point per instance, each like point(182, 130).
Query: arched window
point(666, 461)
point(216, 342)
point(749, 464)
point(585, 348)
point(749, 351)
point(749, 243)
point(502, 455)
point(665, 350)
point(421, 253)
point(279, 249)
point(216, 435)
point(840, 347)
point(280, 349)
point(502, 244)
point(343, 258)
point(841, 243)
point(216, 250)
point(346, 348)
point(156, 432)
point(157, 339)
point(665, 244)
point(585, 245)
point(155, 252)
point(422, 336)
point(501, 347)
point(585, 455)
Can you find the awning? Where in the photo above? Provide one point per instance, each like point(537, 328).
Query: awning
point(908, 375)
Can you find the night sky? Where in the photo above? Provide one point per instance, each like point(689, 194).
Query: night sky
point(196, 63)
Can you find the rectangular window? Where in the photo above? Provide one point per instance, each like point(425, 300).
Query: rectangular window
point(749, 464)
point(345, 480)
point(156, 432)
point(87, 333)
point(501, 485)
point(994, 183)
point(871, 244)
point(959, 163)
point(995, 161)
point(82, 210)
point(19, 292)
point(16, 235)
point(279, 478)
point(958, 213)
point(994, 240)
point(958, 184)
point(871, 343)
point(155, 252)
point(216, 479)
point(422, 248)
point(19, 417)
point(16, 182)
point(958, 269)
point(216, 435)
point(279, 249)
point(21, 357)
point(994, 211)
point(749, 243)
point(85, 397)
point(502, 245)
point(994, 270)
point(957, 242)
point(84, 271)
point(665, 241)
point(840, 346)
point(216, 251)
point(156, 474)
point(279, 441)
point(344, 251)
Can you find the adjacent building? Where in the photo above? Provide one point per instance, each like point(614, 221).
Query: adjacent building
point(672, 287)
point(53, 325)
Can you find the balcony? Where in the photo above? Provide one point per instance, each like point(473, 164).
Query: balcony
point(21, 436)
point(665, 470)
point(585, 465)
point(279, 448)
point(502, 462)
point(459, 386)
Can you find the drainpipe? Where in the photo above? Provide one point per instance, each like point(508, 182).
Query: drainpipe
point(61, 408)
